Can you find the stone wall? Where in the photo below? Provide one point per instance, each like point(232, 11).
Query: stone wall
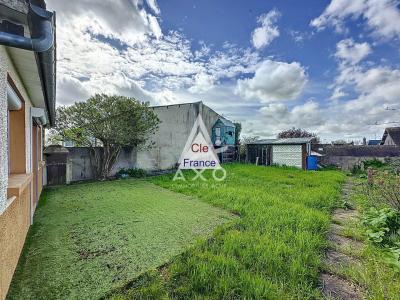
point(346, 157)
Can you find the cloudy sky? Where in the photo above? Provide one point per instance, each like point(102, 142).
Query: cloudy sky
point(332, 67)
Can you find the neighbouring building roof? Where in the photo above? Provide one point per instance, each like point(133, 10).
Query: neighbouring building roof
point(286, 141)
point(262, 142)
point(226, 122)
point(393, 133)
point(294, 141)
point(374, 142)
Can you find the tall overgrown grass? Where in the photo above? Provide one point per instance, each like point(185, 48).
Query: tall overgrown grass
point(273, 250)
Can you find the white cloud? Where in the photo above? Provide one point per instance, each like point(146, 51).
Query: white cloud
point(119, 19)
point(378, 87)
point(306, 115)
point(300, 36)
point(351, 52)
point(274, 81)
point(98, 55)
point(153, 6)
point(382, 17)
point(154, 26)
point(267, 32)
point(70, 89)
point(202, 83)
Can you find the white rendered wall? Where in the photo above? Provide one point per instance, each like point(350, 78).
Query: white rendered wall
point(3, 130)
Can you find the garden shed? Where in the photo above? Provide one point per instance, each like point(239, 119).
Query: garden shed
point(289, 152)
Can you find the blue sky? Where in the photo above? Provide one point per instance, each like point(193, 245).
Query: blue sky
point(331, 67)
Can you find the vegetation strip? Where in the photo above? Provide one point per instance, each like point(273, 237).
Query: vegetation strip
point(373, 270)
point(333, 286)
point(273, 251)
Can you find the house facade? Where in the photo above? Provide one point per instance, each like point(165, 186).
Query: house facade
point(27, 106)
point(223, 133)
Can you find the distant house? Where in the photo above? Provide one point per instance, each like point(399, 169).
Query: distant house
point(223, 133)
point(287, 151)
point(374, 142)
point(27, 106)
point(391, 137)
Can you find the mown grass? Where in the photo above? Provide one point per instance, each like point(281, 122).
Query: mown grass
point(88, 239)
point(273, 250)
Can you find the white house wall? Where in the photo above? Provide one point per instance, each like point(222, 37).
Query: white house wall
point(3, 130)
point(176, 123)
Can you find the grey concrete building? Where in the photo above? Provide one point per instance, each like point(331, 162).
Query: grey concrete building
point(176, 124)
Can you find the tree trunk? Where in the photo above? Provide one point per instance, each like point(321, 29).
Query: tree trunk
point(110, 156)
point(96, 158)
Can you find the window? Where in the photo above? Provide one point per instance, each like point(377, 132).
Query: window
point(218, 132)
point(16, 132)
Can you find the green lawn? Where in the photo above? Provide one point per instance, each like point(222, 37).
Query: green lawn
point(88, 239)
point(273, 251)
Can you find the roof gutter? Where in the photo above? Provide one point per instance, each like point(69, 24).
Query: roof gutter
point(41, 19)
point(42, 42)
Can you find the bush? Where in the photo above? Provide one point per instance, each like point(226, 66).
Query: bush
point(133, 172)
point(382, 226)
point(374, 163)
point(383, 229)
point(356, 169)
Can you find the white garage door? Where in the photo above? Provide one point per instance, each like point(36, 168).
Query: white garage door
point(288, 155)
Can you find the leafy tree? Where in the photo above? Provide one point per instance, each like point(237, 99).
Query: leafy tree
point(238, 130)
point(298, 133)
point(115, 121)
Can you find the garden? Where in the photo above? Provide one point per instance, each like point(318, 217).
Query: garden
point(260, 234)
point(273, 249)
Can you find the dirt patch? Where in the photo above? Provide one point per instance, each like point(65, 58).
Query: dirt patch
point(345, 243)
point(333, 286)
point(336, 228)
point(338, 288)
point(338, 259)
point(88, 254)
point(344, 215)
